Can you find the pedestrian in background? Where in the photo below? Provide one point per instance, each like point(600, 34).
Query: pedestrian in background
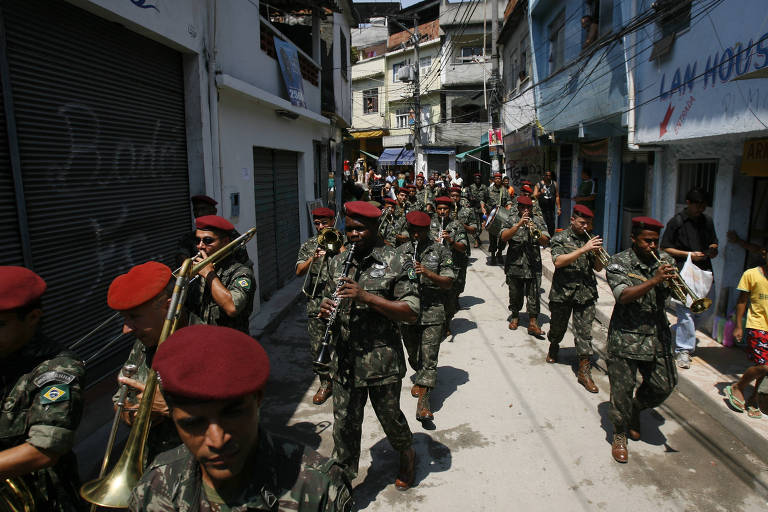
point(547, 194)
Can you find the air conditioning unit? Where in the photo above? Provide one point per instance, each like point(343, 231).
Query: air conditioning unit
point(406, 74)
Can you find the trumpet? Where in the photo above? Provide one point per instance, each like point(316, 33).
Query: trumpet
point(16, 496)
point(324, 356)
point(330, 240)
point(682, 291)
point(387, 218)
point(533, 230)
point(602, 255)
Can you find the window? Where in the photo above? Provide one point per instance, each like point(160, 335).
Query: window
point(370, 101)
point(424, 64)
point(344, 54)
point(605, 16)
point(396, 67)
point(402, 116)
point(472, 54)
point(557, 43)
point(674, 16)
point(522, 73)
point(696, 173)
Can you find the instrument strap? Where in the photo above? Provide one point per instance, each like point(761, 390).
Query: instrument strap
point(636, 276)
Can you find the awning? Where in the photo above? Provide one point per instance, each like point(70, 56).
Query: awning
point(439, 151)
point(461, 156)
point(368, 154)
point(397, 156)
point(367, 134)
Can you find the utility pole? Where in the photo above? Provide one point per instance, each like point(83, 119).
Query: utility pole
point(414, 39)
point(495, 82)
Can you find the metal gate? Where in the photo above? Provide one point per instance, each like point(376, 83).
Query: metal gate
point(102, 140)
point(276, 194)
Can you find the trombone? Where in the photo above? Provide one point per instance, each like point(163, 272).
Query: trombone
point(682, 291)
point(330, 240)
point(114, 489)
point(602, 255)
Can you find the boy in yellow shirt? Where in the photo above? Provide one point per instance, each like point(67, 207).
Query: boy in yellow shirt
point(754, 288)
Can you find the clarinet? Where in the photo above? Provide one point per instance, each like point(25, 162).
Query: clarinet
point(324, 356)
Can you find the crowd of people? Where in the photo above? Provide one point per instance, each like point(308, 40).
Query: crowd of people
point(380, 300)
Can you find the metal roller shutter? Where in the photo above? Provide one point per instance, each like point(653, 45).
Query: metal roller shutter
point(287, 196)
point(264, 194)
point(11, 254)
point(100, 115)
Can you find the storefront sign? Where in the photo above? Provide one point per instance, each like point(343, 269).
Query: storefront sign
point(288, 58)
point(754, 161)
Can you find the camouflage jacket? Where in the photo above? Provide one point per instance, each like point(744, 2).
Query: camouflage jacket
point(496, 197)
point(286, 476)
point(575, 282)
point(424, 197)
point(439, 260)
point(306, 252)
point(368, 349)
point(467, 215)
point(459, 235)
point(639, 329)
point(237, 276)
point(42, 405)
point(162, 434)
point(477, 194)
point(523, 257)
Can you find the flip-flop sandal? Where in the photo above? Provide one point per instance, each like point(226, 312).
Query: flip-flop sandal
point(754, 412)
point(735, 402)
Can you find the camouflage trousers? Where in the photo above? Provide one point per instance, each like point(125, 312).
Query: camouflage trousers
point(422, 342)
point(478, 215)
point(659, 379)
point(452, 296)
point(316, 329)
point(348, 407)
point(495, 244)
point(583, 316)
point(523, 289)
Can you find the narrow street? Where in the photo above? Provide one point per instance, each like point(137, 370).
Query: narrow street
point(512, 432)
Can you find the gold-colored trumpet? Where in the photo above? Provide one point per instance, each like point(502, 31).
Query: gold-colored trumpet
point(682, 291)
point(330, 240)
point(602, 255)
point(114, 489)
point(535, 233)
point(15, 496)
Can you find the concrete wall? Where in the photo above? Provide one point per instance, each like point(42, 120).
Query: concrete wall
point(455, 14)
point(342, 86)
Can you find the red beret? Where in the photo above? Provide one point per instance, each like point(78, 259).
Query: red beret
point(362, 209)
point(582, 211)
point(204, 199)
point(455, 189)
point(410, 186)
point(323, 213)
point(524, 200)
point(389, 200)
point(213, 221)
point(444, 200)
point(141, 283)
point(525, 182)
point(19, 287)
point(477, 174)
point(418, 219)
point(647, 223)
point(527, 188)
point(208, 362)
point(497, 175)
point(420, 176)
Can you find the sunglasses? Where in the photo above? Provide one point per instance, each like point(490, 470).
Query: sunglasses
point(207, 240)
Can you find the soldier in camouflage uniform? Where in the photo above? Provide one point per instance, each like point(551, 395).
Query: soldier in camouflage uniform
point(368, 358)
point(41, 387)
point(425, 198)
point(574, 289)
point(222, 295)
point(477, 193)
point(465, 215)
point(527, 191)
point(434, 273)
point(455, 238)
point(523, 263)
point(233, 464)
point(142, 296)
point(389, 222)
point(309, 259)
point(639, 338)
point(400, 225)
point(497, 196)
point(412, 201)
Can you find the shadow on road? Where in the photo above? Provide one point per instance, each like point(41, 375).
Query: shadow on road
point(650, 423)
point(462, 325)
point(431, 457)
point(448, 381)
point(467, 301)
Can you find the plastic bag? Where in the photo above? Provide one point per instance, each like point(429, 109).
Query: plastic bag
point(698, 280)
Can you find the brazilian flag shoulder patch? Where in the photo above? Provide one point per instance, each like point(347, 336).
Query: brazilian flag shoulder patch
point(245, 283)
point(55, 393)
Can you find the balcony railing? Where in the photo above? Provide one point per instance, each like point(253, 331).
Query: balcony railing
point(309, 70)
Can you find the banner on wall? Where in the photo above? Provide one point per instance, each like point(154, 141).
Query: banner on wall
point(288, 58)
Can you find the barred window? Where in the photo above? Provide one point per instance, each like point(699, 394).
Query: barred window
point(696, 173)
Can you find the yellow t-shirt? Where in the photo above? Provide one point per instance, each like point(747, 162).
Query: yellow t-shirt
point(755, 283)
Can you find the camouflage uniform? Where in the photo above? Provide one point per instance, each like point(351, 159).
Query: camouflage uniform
point(478, 196)
point(422, 340)
point(236, 274)
point(639, 338)
point(315, 325)
point(388, 230)
point(522, 265)
point(368, 357)
point(574, 289)
point(162, 434)
point(460, 263)
point(424, 197)
point(496, 197)
point(287, 476)
point(42, 405)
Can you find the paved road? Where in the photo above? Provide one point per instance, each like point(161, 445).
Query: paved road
point(514, 433)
